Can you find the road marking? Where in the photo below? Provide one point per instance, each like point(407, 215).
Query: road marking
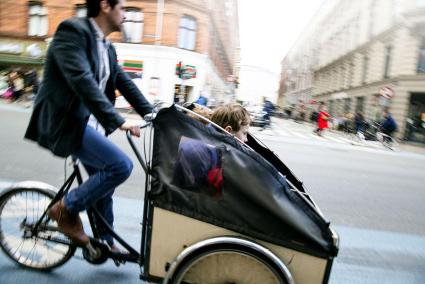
point(299, 135)
point(336, 139)
point(284, 133)
point(317, 137)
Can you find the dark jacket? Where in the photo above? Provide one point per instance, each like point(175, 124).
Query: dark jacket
point(389, 125)
point(69, 92)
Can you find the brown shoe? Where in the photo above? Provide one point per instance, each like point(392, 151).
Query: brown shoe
point(69, 224)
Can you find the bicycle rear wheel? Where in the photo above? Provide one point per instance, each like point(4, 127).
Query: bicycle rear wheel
point(20, 210)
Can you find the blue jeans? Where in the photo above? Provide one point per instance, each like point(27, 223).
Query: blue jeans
point(107, 167)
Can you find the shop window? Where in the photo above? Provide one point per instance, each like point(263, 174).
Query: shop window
point(415, 123)
point(81, 10)
point(38, 21)
point(133, 25)
point(187, 33)
point(421, 61)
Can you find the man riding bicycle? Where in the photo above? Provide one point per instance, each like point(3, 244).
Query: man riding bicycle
point(74, 111)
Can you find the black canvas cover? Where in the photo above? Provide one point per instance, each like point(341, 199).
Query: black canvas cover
point(208, 175)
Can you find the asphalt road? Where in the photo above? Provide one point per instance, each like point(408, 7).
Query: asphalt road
point(373, 197)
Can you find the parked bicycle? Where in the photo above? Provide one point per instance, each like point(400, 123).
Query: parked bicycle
point(372, 131)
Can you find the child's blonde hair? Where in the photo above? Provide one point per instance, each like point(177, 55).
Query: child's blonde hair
point(233, 115)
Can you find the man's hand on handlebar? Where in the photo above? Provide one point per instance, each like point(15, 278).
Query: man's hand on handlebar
point(133, 128)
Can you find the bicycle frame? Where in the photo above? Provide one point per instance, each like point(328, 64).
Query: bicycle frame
point(92, 213)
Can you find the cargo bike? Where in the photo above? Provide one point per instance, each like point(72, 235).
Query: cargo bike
point(249, 219)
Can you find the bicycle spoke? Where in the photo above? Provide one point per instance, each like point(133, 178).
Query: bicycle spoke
point(19, 213)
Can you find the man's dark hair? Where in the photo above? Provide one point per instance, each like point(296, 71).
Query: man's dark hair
point(93, 7)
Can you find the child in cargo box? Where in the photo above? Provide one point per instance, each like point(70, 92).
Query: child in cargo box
point(198, 166)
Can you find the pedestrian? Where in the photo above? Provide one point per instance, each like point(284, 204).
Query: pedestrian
point(359, 122)
point(17, 85)
point(268, 108)
point(81, 75)
point(202, 100)
point(32, 83)
point(322, 119)
point(388, 126)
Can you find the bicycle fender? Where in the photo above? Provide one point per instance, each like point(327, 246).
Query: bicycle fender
point(29, 184)
point(237, 242)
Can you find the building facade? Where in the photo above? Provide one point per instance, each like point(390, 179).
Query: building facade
point(173, 49)
point(362, 56)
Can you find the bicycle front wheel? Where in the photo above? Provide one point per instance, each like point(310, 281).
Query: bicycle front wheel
point(227, 265)
point(45, 249)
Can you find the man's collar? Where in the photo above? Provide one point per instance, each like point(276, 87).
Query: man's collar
point(99, 34)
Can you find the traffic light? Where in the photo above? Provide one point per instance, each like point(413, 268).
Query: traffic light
point(179, 69)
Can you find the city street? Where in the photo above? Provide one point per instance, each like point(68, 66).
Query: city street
point(373, 197)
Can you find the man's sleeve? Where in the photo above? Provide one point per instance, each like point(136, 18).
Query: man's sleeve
point(70, 51)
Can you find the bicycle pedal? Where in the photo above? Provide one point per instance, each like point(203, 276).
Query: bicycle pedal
point(93, 252)
point(118, 262)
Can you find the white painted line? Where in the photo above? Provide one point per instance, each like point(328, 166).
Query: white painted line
point(284, 133)
point(299, 134)
point(317, 137)
point(336, 139)
point(347, 140)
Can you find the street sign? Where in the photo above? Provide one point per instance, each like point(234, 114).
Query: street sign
point(189, 72)
point(386, 92)
point(186, 71)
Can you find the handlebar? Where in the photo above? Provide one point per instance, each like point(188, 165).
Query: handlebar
point(135, 150)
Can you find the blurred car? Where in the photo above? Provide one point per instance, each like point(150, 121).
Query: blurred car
point(258, 116)
point(279, 112)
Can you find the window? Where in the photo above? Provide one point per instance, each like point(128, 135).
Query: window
point(421, 61)
point(388, 50)
point(38, 22)
point(133, 25)
point(331, 107)
point(347, 105)
point(360, 104)
point(187, 33)
point(365, 68)
point(350, 74)
point(80, 10)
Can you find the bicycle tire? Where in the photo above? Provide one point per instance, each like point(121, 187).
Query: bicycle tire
point(20, 209)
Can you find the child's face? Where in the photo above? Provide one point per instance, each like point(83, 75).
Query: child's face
point(242, 134)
